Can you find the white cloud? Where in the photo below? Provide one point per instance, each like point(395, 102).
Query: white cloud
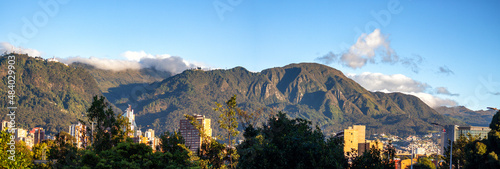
point(433, 101)
point(365, 49)
point(9, 48)
point(444, 90)
point(138, 55)
point(391, 83)
point(136, 60)
point(399, 83)
point(102, 63)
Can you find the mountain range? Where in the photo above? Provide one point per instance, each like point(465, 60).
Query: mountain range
point(312, 91)
point(53, 95)
point(471, 117)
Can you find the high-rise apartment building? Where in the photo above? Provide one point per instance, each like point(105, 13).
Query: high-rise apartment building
point(129, 114)
point(38, 135)
point(191, 135)
point(79, 131)
point(355, 140)
point(353, 136)
point(150, 134)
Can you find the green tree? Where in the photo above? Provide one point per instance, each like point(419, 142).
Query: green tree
point(373, 158)
point(228, 121)
point(424, 163)
point(110, 129)
point(174, 144)
point(476, 154)
point(42, 149)
point(494, 134)
point(459, 154)
point(289, 143)
point(211, 152)
point(20, 158)
point(64, 152)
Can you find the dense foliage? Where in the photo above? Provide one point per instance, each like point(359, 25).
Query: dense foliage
point(48, 94)
point(289, 143)
point(21, 157)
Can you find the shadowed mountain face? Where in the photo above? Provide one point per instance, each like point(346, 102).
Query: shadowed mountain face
point(123, 87)
point(316, 92)
point(474, 118)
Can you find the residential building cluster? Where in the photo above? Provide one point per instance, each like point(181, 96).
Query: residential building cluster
point(82, 133)
point(408, 149)
point(30, 137)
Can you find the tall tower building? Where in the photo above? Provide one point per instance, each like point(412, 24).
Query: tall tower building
point(353, 136)
point(39, 135)
point(129, 114)
point(150, 134)
point(191, 135)
point(79, 132)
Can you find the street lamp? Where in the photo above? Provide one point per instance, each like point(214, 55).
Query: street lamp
point(451, 145)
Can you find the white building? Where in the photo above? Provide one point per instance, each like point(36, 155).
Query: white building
point(150, 134)
point(52, 59)
point(129, 114)
point(21, 133)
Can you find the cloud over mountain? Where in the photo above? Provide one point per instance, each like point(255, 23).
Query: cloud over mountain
point(6, 47)
point(102, 63)
point(400, 83)
point(136, 60)
point(388, 83)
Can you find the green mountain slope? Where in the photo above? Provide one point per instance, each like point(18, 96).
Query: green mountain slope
point(48, 94)
point(312, 91)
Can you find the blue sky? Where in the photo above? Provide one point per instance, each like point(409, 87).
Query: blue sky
point(459, 37)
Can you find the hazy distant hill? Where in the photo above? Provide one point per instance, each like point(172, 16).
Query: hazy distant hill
point(312, 91)
point(474, 118)
point(48, 94)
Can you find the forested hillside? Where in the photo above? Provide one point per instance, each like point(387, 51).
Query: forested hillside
point(48, 94)
point(312, 91)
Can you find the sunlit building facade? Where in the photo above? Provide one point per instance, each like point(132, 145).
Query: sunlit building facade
point(191, 135)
